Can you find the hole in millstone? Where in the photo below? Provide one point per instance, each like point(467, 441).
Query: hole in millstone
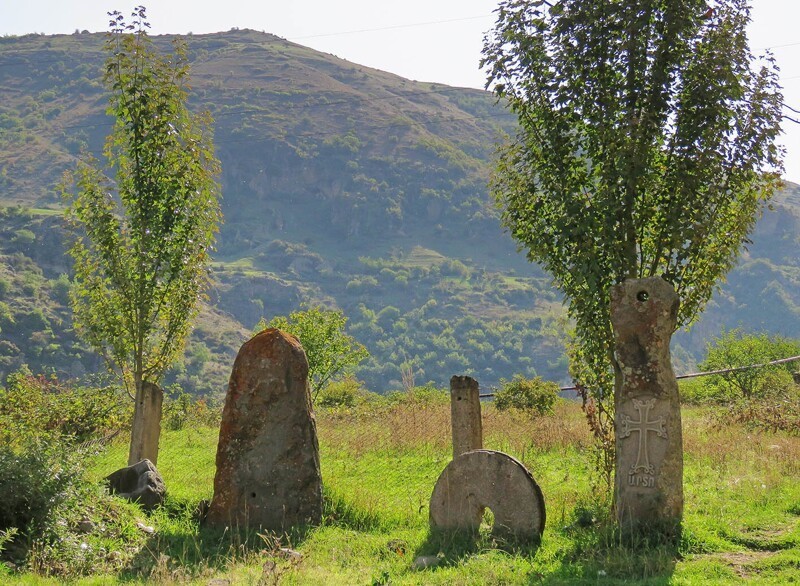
point(487, 522)
point(642, 296)
point(252, 495)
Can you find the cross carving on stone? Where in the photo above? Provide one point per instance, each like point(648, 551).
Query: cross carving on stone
point(643, 425)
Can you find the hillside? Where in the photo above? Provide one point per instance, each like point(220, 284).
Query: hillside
point(342, 185)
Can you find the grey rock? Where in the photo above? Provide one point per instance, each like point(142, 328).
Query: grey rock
point(425, 561)
point(289, 554)
point(140, 483)
point(86, 525)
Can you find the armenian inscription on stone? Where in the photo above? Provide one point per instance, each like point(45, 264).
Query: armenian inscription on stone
point(648, 490)
point(642, 472)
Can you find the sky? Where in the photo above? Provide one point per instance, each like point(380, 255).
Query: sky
point(424, 40)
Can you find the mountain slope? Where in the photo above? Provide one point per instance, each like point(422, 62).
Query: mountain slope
point(342, 185)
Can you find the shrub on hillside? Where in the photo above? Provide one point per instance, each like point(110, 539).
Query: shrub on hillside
point(32, 406)
point(347, 392)
point(735, 348)
point(33, 481)
point(183, 410)
point(770, 414)
point(420, 396)
point(694, 391)
point(52, 520)
point(531, 395)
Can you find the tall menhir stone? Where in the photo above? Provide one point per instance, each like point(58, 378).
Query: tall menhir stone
point(268, 471)
point(649, 458)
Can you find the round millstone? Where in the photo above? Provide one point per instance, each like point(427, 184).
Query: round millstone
point(483, 479)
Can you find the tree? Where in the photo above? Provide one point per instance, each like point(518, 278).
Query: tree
point(530, 395)
point(141, 242)
point(329, 349)
point(645, 148)
point(734, 349)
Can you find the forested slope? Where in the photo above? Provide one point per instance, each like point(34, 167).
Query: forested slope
point(342, 185)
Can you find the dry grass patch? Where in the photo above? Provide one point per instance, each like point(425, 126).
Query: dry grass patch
point(370, 428)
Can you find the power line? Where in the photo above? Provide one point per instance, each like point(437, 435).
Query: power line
point(699, 374)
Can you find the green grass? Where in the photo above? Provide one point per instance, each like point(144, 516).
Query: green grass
point(741, 524)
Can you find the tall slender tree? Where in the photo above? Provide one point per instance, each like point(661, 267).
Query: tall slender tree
point(142, 240)
point(645, 148)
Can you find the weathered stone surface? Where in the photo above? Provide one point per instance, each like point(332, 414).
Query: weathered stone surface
point(146, 428)
point(268, 471)
point(484, 479)
point(138, 483)
point(424, 562)
point(465, 414)
point(649, 452)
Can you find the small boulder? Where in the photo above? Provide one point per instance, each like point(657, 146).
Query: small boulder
point(424, 562)
point(140, 483)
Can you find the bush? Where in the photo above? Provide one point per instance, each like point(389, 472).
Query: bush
point(32, 482)
point(736, 348)
point(420, 396)
point(347, 392)
point(34, 406)
point(694, 391)
point(60, 288)
point(531, 395)
point(52, 520)
point(183, 410)
point(771, 414)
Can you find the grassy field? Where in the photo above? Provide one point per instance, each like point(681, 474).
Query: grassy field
point(742, 520)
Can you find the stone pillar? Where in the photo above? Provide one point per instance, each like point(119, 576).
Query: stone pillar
point(648, 491)
point(465, 414)
point(146, 428)
point(268, 472)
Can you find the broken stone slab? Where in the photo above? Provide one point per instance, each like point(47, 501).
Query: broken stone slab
point(140, 483)
point(268, 471)
point(481, 479)
point(146, 427)
point(465, 414)
point(648, 491)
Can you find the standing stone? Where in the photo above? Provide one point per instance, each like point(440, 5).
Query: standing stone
point(268, 472)
point(146, 428)
point(465, 415)
point(649, 449)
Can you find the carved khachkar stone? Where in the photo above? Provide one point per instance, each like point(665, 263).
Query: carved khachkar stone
point(648, 492)
point(465, 414)
point(268, 471)
point(146, 428)
point(482, 479)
